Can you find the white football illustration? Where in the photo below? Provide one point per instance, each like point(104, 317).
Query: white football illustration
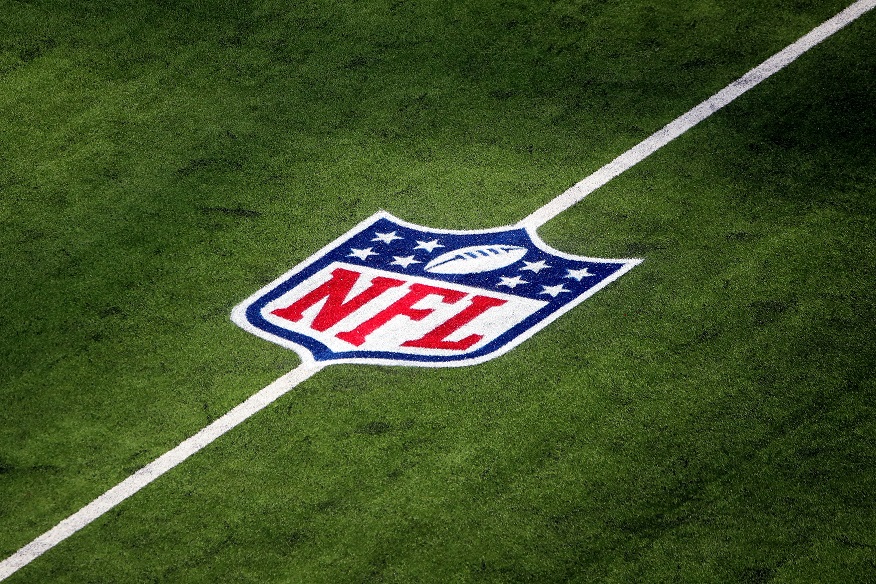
point(477, 258)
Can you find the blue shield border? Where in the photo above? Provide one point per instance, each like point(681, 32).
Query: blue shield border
point(247, 314)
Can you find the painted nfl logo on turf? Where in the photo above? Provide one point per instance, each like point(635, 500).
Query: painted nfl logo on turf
point(394, 293)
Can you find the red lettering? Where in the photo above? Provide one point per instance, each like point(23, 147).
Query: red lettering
point(335, 291)
point(434, 339)
point(401, 307)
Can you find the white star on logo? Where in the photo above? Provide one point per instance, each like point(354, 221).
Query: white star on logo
point(362, 254)
point(511, 282)
point(386, 237)
point(428, 245)
point(578, 274)
point(404, 262)
point(553, 290)
point(534, 266)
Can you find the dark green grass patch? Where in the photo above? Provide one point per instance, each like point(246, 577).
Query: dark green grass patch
point(708, 417)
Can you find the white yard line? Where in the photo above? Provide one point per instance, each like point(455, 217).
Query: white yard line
point(688, 120)
point(269, 394)
point(155, 469)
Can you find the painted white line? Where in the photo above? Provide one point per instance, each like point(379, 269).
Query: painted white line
point(696, 115)
point(269, 394)
point(156, 468)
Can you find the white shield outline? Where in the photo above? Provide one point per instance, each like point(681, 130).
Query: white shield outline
point(239, 313)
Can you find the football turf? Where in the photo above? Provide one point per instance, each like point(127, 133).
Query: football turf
point(709, 417)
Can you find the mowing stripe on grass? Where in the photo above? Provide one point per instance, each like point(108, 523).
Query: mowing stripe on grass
point(688, 120)
point(287, 382)
point(156, 468)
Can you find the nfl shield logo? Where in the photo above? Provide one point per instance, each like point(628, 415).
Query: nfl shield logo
point(393, 293)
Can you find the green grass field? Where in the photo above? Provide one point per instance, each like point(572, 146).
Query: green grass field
point(709, 417)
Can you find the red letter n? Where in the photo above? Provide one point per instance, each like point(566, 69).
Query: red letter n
point(335, 292)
